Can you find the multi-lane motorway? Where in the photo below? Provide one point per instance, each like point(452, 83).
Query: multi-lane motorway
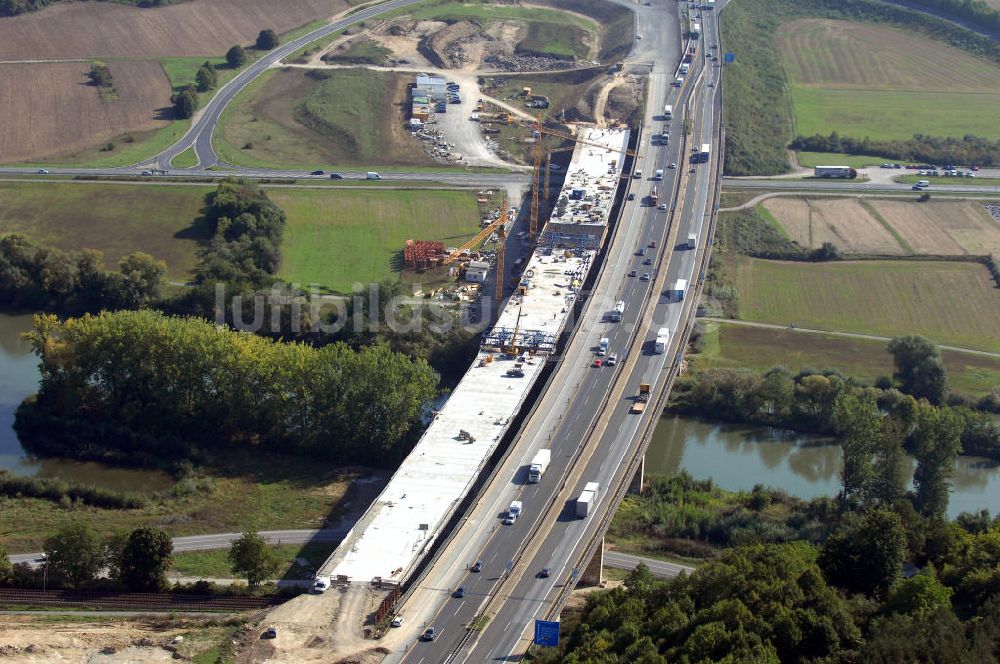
point(548, 535)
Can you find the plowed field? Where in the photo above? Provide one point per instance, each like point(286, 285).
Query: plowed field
point(50, 108)
point(198, 27)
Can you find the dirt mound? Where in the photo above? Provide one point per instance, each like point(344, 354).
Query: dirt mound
point(50, 109)
point(444, 47)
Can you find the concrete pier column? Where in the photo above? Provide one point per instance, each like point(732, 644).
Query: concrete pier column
point(636, 485)
point(593, 574)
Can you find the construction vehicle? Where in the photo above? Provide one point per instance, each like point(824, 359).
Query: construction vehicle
point(639, 402)
point(539, 465)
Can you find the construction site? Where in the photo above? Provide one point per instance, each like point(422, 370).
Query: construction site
point(390, 540)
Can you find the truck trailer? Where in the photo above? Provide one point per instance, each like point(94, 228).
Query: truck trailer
point(587, 501)
point(639, 402)
point(678, 289)
point(539, 465)
point(662, 340)
point(845, 172)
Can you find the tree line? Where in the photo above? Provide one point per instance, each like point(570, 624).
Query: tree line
point(176, 385)
point(976, 11)
point(920, 148)
point(37, 278)
point(15, 7)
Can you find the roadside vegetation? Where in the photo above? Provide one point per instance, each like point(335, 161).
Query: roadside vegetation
point(760, 94)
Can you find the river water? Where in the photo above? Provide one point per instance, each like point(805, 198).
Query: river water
point(737, 457)
point(18, 379)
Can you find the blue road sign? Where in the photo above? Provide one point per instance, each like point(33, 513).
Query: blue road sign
point(547, 632)
point(729, 57)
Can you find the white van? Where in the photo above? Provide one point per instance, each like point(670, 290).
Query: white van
point(372, 175)
point(923, 183)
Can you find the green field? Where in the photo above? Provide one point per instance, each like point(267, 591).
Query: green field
point(861, 80)
point(186, 159)
point(115, 219)
point(812, 159)
point(732, 345)
point(951, 303)
point(338, 238)
point(304, 119)
point(215, 564)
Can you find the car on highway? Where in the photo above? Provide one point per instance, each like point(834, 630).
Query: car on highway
point(673, 164)
point(147, 172)
point(612, 359)
point(318, 172)
point(544, 573)
point(652, 244)
point(42, 171)
point(633, 273)
point(644, 277)
point(336, 176)
point(477, 567)
point(509, 519)
point(661, 207)
point(429, 634)
point(597, 363)
point(459, 592)
point(693, 170)
point(648, 261)
point(917, 187)
point(397, 622)
point(641, 252)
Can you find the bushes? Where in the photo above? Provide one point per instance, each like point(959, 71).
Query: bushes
point(931, 149)
point(57, 490)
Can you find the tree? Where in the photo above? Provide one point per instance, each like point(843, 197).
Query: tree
point(266, 40)
point(865, 555)
point(101, 75)
point(185, 103)
point(114, 549)
point(919, 596)
point(145, 558)
point(75, 553)
point(252, 558)
point(143, 278)
point(857, 418)
point(236, 56)
point(919, 368)
point(5, 566)
point(937, 441)
point(206, 78)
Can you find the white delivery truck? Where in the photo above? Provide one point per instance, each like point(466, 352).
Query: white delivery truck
point(588, 499)
point(662, 340)
point(692, 242)
point(659, 174)
point(538, 465)
point(372, 175)
point(677, 291)
point(668, 112)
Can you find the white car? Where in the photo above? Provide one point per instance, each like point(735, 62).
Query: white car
point(673, 164)
point(321, 586)
point(612, 359)
point(397, 621)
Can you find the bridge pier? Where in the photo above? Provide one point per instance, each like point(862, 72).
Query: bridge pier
point(636, 485)
point(593, 573)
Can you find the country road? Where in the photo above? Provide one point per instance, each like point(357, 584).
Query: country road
point(215, 541)
point(852, 335)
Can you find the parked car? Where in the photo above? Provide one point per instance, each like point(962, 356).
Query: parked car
point(397, 622)
point(320, 586)
point(270, 633)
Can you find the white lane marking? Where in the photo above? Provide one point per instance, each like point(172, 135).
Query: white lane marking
point(459, 607)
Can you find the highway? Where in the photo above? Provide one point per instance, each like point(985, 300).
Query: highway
point(849, 187)
point(552, 538)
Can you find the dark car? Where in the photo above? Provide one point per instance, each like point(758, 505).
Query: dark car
point(336, 176)
point(632, 273)
point(429, 634)
point(460, 593)
point(544, 573)
point(270, 633)
point(318, 172)
point(478, 567)
point(648, 261)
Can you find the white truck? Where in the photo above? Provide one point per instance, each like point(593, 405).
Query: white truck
point(659, 174)
point(685, 67)
point(539, 465)
point(513, 512)
point(602, 346)
point(662, 340)
point(588, 499)
point(668, 112)
point(372, 175)
point(692, 242)
point(677, 291)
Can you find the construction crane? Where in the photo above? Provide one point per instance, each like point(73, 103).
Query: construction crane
point(499, 277)
point(499, 222)
point(537, 172)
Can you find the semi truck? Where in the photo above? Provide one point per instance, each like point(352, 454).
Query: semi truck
point(845, 172)
point(662, 340)
point(615, 315)
point(639, 402)
point(692, 242)
point(704, 153)
point(539, 465)
point(654, 197)
point(587, 501)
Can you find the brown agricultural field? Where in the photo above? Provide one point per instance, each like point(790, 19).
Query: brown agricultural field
point(845, 222)
point(959, 227)
point(197, 27)
point(50, 108)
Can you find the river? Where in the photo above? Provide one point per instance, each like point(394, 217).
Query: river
point(19, 378)
point(737, 457)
